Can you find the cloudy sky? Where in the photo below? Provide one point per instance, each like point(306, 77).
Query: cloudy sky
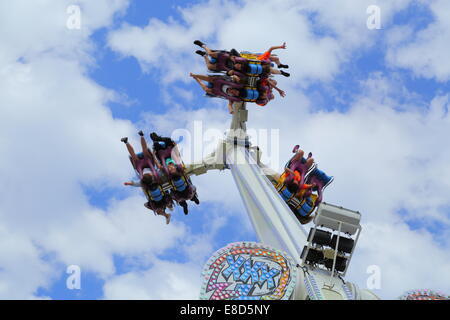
point(371, 104)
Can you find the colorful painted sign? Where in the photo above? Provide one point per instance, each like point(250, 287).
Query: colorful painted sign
point(424, 295)
point(248, 271)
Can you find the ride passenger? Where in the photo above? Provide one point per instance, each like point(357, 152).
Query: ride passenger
point(144, 163)
point(219, 86)
point(183, 188)
point(215, 60)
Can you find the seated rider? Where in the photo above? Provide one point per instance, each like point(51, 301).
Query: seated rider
point(300, 164)
point(220, 86)
point(218, 60)
point(158, 200)
point(144, 164)
point(265, 87)
point(268, 56)
point(144, 160)
point(320, 180)
point(298, 197)
point(261, 66)
point(167, 152)
point(242, 66)
point(165, 148)
point(312, 175)
point(317, 181)
point(183, 189)
point(300, 180)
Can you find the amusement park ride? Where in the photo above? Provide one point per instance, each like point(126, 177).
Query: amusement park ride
point(308, 266)
point(288, 263)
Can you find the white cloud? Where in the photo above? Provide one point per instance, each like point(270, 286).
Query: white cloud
point(406, 259)
point(126, 229)
point(39, 29)
point(164, 281)
point(425, 52)
point(21, 267)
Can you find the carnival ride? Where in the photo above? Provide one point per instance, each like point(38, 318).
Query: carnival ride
point(288, 262)
point(315, 272)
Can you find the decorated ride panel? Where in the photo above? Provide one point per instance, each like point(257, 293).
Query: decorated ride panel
point(248, 271)
point(424, 295)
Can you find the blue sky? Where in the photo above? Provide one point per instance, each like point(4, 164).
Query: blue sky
point(364, 102)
